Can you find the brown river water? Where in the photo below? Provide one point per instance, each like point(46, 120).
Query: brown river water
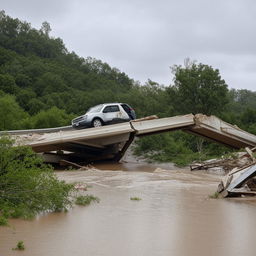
point(175, 216)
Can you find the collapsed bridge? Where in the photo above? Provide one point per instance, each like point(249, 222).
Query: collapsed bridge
point(111, 142)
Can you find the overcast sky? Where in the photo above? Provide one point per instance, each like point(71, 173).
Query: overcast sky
point(143, 38)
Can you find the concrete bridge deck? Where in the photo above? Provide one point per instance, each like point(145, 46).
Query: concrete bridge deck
point(111, 142)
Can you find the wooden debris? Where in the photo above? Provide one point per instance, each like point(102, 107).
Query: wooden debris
point(225, 163)
point(240, 160)
point(240, 179)
point(77, 166)
point(68, 163)
point(250, 153)
point(80, 186)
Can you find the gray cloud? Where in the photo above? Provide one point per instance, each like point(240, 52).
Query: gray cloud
point(144, 38)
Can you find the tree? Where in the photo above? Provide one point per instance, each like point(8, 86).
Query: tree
point(46, 28)
point(24, 96)
point(48, 83)
point(35, 105)
point(198, 89)
point(22, 80)
point(52, 117)
point(11, 114)
point(7, 84)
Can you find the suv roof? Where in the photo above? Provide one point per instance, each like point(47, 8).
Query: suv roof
point(110, 103)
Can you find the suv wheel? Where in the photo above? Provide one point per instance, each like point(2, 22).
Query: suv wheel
point(96, 122)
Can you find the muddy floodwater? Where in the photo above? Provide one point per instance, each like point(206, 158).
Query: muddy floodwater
point(174, 217)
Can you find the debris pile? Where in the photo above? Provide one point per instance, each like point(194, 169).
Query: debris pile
point(240, 170)
point(241, 180)
point(26, 138)
point(227, 164)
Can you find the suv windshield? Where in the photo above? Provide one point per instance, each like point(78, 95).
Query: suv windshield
point(95, 109)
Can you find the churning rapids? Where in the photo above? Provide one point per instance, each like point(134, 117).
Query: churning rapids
point(174, 217)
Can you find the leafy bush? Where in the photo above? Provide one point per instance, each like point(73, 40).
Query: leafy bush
point(86, 200)
point(27, 186)
point(20, 246)
point(52, 117)
point(3, 221)
point(10, 113)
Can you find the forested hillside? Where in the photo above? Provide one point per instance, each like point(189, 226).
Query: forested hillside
point(43, 77)
point(43, 84)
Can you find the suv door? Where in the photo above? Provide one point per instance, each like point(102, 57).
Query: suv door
point(110, 113)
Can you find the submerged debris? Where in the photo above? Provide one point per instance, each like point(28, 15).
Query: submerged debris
point(80, 186)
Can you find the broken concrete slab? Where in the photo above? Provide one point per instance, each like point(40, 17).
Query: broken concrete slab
point(215, 129)
point(235, 183)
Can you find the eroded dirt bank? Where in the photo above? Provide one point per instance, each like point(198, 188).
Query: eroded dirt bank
point(174, 217)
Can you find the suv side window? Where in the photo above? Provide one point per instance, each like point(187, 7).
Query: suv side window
point(126, 108)
point(113, 108)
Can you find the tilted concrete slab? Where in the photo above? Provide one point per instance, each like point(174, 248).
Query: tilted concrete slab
point(94, 137)
point(216, 129)
point(163, 124)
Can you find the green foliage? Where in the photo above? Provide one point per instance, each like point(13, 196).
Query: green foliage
point(49, 83)
point(3, 221)
point(135, 198)
point(11, 114)
point(215, 195)
point(27, 186)
point(86, 200)
point(23, 98)
point(241, 99)
point(7, 84)
point(177, 147)
point(20, 246)
point(198, 89)
point(249, 116)
point(165, 148)
point(52, 117)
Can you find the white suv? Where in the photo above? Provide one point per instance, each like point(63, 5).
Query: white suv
point(102, 114)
